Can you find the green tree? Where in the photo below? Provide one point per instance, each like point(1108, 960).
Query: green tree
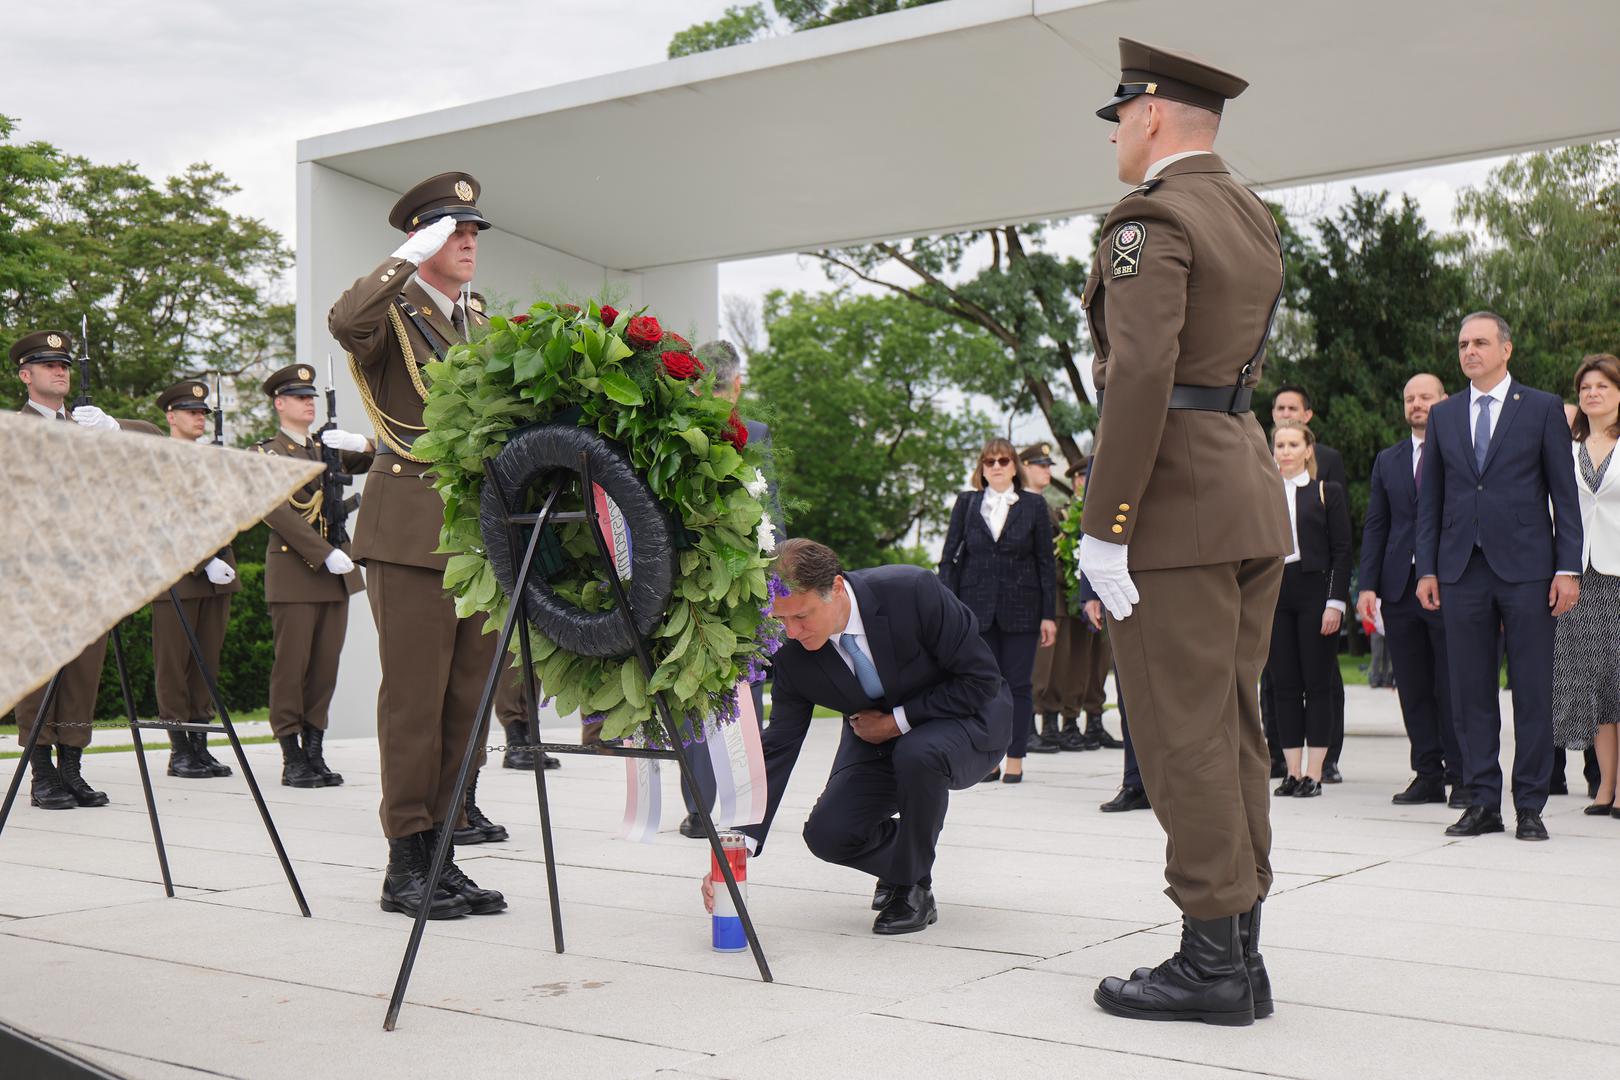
point(740, 24)
point(1375, 302)
point(876, 437)
point(1546, 257)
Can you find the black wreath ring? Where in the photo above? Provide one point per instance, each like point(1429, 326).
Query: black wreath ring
point(531, 459)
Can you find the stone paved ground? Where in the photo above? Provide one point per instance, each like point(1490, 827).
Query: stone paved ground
point(1394, 950)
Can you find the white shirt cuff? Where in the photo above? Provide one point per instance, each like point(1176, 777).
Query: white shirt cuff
point(899, 713)
point(1338, 605)
point(1568, 573)
point(751, 844)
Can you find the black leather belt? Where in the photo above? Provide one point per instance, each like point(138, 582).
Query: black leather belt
point(1222, 399)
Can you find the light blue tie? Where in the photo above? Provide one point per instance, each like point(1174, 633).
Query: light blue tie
point(865, 670)
point(1482, 433)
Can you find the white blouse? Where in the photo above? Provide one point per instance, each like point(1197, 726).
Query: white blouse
point(994, 508)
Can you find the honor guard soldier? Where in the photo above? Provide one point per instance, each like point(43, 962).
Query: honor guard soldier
point(205, 596)
point(308, 579)
point(1185, 525)
point(44, 362)
point(392, 321)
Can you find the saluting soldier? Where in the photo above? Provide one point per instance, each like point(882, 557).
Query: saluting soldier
point(393, 320)
point(205, 596)
point(1185, 526)
point(308, 580)
point(44, 360)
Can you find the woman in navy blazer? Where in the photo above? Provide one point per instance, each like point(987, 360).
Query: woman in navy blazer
point(1310, 609)
point(998, 561)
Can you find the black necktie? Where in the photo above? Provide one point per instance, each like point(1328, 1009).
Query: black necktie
point(1417, 468)
point(459, 319)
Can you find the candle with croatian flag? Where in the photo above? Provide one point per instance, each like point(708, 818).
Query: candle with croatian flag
point(727, 927)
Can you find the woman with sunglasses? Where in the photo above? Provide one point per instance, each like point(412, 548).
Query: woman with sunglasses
point(998, 560)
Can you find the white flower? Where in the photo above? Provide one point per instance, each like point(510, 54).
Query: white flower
point(757, 486)
point(767, 537)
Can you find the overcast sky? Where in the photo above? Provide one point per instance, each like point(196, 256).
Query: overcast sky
point(164, 83)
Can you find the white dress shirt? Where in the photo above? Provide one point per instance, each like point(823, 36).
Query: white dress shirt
point(47, 413)
point(1302, 480)
point(442, 300)
point(858, 629)
point(994, 508)
point(1498, 394)
point(1165, 162)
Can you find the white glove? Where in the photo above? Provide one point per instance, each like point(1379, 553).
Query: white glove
point(339, 563)
point(1104, 565)
point(219, 572)
point(425, 243)
point(93, 418)
point(344, 440)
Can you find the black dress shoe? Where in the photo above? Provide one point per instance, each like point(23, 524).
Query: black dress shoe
point(1129, 798)
point(692, 828)
point(1308, 788)
point(909, 910)
point(1288, 787)
point(992, 776)
point(1460, 799)
point(1530, 826)
point(882, 895)
point(1206, 979)
point(1477, 821)
point(1013, 778)
point(1331, 773)
point(1601, 809)
point(1421, 790)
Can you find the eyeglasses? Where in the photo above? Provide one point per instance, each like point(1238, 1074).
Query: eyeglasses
point(996, 462)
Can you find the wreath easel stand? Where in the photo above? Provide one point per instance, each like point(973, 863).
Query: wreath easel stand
point(517, 620)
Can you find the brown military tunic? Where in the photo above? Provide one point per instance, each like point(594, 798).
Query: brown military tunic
point(1071, 677)
point(433, 664)
point(309, 605)
point(1181, 292)
point(72, 714)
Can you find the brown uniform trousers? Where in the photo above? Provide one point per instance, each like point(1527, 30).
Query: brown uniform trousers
point(1071, 676)
point(433, 664)
point(182, 691)
point(73, 710)
point(1181, 293)
point(509, 700)
point(309, 605)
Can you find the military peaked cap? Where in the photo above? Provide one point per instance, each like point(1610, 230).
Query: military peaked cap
point(1166, 73)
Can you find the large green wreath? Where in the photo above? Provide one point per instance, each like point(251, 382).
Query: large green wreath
point(625, 377)
point(1068, 551)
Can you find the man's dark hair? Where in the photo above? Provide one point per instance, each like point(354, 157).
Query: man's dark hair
point(806, 566)
point(1290, 388)
point(721, 358)
point(1504, 332)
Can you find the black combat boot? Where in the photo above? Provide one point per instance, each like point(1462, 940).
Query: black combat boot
point(1207, 979)
point(295, 770)
point(479, 829)
point(479, 901)
point(1069, 737)
point(518, 755)
point(183, 757)
point(406, 881)
point(83, 793)
point(314, 737)
point(1045, 741)
point(45, 787)
point(199, 750)
point(1099, 734)
point(1259, 981)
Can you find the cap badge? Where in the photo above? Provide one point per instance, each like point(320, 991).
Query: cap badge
point(305, 374)
point(476, 304)
point(464, 191)
point(54, 341)
point(198, 391)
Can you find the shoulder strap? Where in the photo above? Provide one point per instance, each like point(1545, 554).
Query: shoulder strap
point(435, 342)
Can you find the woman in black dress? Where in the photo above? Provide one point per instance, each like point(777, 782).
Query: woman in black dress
point(998, 561)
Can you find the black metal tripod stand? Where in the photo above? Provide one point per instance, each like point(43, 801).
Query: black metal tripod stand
point(135, 727)
point(517, 619)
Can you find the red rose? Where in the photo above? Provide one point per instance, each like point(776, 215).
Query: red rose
point(682, 365)
point(518, 320)
point(677, 339)
point(736, 431)
point(644, 332)
point(610, 315)
point(572, 309)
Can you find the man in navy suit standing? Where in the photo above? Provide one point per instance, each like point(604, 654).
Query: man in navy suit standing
point(925, 711)
point(1489, 554)
point(1416, 635)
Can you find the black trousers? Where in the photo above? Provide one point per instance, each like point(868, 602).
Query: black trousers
point(853, 822)
point(1015, 655)
point(1416, 642)
point(1302, 660)
point(1473, 607)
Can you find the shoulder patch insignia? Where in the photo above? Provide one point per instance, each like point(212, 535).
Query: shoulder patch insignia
point(1127, 252)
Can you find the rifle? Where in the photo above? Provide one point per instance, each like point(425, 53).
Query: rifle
point(219, 414)
point(84, 363)
point(334, 508)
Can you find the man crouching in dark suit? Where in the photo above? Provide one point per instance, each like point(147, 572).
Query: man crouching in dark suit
point(926, 711)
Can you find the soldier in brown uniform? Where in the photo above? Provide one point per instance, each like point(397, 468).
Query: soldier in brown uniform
point(44, 360)
point(307, 584)
point(1185, 526)
point(205, 595)
point(392, 321)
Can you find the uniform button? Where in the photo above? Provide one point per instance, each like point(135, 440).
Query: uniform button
point(1119, 528)
point(283, 547)
point(1124, 506)
point(1120, 518)
point(396, 468)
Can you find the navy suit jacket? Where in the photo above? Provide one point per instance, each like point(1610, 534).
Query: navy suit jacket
point(929, 656)
point(1504, 508)
point(1010, 582)
point(1389, 533)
